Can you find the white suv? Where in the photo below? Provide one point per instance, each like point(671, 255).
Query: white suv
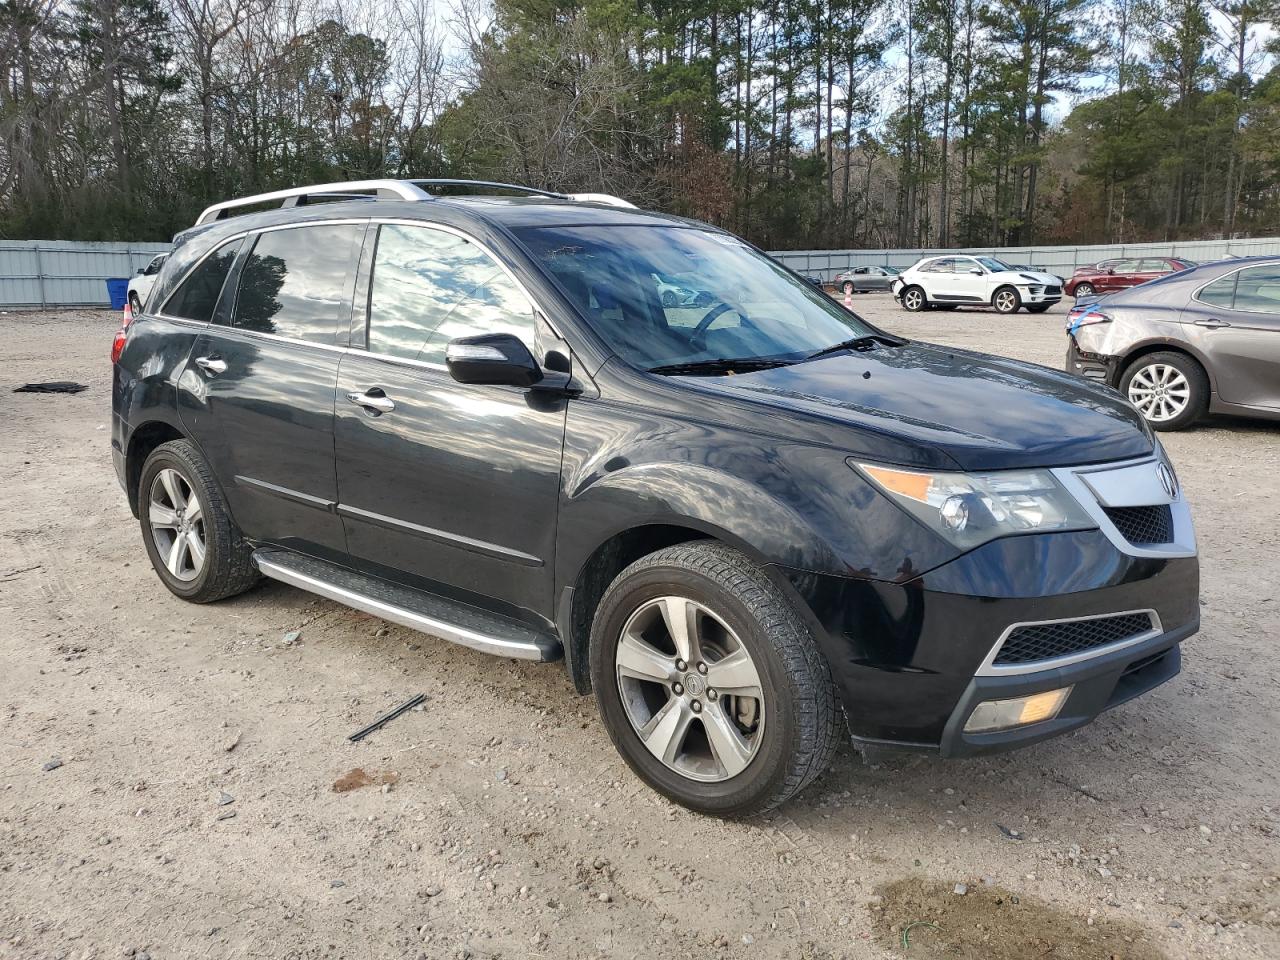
point(141, 283)
point(948, 282)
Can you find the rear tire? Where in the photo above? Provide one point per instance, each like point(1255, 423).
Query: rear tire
point(913, 299)
point(192, 542)
point(848, 287)
point(1170, 390)
point(135, 304)
point(1006, 300)
point(721, 753)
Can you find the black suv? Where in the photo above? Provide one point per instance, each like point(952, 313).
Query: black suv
point(740, 522)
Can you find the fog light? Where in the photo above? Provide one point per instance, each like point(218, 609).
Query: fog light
point(1002, 714)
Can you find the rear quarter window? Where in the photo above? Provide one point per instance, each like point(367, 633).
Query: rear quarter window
point(197, 295)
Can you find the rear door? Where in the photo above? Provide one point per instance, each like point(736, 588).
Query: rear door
point(450, 487)
point(261, 380)
point(1238, 317)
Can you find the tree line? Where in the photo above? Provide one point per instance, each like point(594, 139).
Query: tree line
point(796, 123)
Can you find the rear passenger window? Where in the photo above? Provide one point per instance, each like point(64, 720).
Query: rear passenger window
point(1155, 265)
point(198, 294)
point(939, 266)
point(429, 286)
point(1258, 289)
point(293, 282)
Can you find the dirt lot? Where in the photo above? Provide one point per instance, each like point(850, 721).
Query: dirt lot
point(208, 803)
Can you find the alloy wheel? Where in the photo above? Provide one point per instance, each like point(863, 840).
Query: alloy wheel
point(177, 524)
point(1006, 301)
point(1084, 290)
point(1160, 391)
point(690, 689)
point(913, 299)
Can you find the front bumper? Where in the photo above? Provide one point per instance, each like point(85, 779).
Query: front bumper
point(907, 656)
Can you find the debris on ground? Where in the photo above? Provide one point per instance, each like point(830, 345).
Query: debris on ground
point(387, 717)
point(51, 386)
point(53, 764)
point(356, 778)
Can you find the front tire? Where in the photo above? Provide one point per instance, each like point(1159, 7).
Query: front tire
point(1006, 300)
point(1170, 390)
point(709, 683)
point(913, 299)
point(190, 538)
point(1083, 290)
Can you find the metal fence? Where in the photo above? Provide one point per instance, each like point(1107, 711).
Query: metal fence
point(70, 273)
point(66, 273)
point(1060, 260)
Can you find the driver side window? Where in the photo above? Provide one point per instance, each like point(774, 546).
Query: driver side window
point(429, 287)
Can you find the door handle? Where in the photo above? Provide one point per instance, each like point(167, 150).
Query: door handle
point(372, 401)
point(214, 365)
point(1212, 324)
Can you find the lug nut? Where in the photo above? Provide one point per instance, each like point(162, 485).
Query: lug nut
point(702, 668)
point(681, 665)
point(678, 688)
point(711, 693)
point(696, 707)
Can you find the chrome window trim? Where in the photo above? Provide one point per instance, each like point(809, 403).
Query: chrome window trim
point(989, 668)
point(1184, 536)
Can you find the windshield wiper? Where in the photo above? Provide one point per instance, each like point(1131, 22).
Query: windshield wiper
point(721, 365)
point(856, 343)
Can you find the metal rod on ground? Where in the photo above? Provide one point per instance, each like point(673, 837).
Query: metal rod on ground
point(387, 717)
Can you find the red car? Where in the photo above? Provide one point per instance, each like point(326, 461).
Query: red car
point(1111, 275)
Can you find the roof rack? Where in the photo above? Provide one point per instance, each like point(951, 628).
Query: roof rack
point(385, 190)
point(297, 196)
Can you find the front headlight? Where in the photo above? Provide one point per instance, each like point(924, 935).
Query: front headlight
point(971, 508)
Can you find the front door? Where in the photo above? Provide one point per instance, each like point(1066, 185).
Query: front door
point(1238, 317)
point(446, 486)
point(260, 384)
point(969, 282)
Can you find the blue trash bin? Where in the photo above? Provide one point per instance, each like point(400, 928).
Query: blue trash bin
point(118, 291)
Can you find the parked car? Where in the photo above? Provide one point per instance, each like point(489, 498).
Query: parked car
point(474, 417)
point(1205, 339)
point(140, 284)
point(865, 279)
point(673, 294)
point(952, 281)
point(1111, 275)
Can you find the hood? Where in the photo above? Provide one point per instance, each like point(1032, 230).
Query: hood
point(933, 406)
point(1027, 276)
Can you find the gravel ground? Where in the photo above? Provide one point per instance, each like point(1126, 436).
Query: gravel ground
point(175, 781)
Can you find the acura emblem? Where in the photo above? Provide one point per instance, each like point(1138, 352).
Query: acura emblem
point(1167, 480)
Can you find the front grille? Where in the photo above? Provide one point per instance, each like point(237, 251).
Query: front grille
point(1045, 641)
point(1141, 525)
point(1053, 290)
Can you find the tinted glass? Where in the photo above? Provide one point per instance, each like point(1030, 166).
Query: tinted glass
point(1155, 265)
point(198, 295)
point(154, 266)
point(1258, 289)
point(293, 282)
point(1221, 292)
point(994, 265)
point(941, 265)
point(1125, 266)
point(745, 306)
point(430, 287)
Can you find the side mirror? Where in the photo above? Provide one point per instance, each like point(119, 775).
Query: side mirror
point(1111, 271)
point(492, 358)
point(141, 271)
point(977, 271)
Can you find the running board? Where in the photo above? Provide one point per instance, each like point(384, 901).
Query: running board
point(447, 619)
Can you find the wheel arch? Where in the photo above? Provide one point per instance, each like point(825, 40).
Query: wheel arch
point(142, 441)
point(1147, 347)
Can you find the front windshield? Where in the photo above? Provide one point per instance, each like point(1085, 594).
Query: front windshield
point(994, 265)
point(739, 303)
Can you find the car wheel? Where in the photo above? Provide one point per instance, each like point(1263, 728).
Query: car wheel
point(848, 287)
point(1006, 300)
point(190, 537)
point(668, 299)
point(913, 299)
point(1038, 307)
point(1083, 290)
point(135, 304)
point(709, 683)
point(1170, 390)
